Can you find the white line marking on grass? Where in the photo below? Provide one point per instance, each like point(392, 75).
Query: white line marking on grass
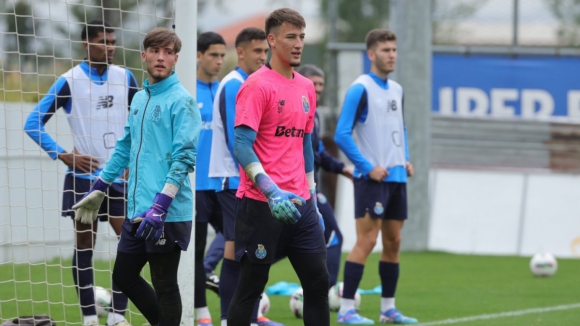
point(501, 315)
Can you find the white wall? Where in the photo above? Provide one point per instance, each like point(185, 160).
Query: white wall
point(492, 212)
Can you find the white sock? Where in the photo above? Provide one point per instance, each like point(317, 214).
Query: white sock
point(387, 303)
point(224, 322)
point(254, 325)
point(87, 319)
point(114, 318)
point(346, 305)
point(202, 313)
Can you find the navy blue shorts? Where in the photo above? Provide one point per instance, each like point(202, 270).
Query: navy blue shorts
point(75, 188)
point(265, 240)
point(228, 202)
point(208, 209)
point(174, 234)
point(384, 200)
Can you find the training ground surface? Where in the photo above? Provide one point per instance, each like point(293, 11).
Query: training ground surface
point(437, 288)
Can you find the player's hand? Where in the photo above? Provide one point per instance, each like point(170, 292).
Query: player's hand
point(410, 169)
point(282, 205)
point(151, 221)
point(88, 207)
point(348, 172)
point(80, 162)
point(378, 173)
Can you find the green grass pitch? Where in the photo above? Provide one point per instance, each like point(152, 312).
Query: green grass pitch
point(433, 287)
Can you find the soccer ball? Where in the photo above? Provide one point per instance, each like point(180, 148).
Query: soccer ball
point(543, 264)
point(264, 304)
point(335, 294)
point(297, 303)
point(103, 300)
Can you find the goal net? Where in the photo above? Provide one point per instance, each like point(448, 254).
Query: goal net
point(39, 41)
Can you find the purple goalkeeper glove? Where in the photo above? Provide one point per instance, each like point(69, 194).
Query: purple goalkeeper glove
point(151, 221)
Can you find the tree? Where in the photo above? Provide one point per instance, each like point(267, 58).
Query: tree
point(567, 12)
point(446, 15)
point(357, 17)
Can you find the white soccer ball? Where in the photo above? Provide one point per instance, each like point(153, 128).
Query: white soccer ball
point(297, 303)
point(103, 299)
point(264, 304)
point(335, 294)
point(543, 264)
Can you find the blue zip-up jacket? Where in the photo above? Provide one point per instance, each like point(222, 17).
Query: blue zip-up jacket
point(323, 159)
point(159, 146)
point(355, 110)
point(205, 96)
point(59, 96)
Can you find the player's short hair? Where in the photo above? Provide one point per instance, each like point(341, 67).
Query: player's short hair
point(207, 39)
point(310, 70)
point(249, 34)
point(379, 35)
point(94, 27)
point(161, 36)
point(284, 15)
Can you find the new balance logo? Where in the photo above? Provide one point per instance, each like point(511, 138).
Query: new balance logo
point(105, 102)
point(281, 131)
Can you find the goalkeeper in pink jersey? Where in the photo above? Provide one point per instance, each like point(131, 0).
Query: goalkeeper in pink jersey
point(276, 213)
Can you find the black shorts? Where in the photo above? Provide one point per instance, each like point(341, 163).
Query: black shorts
point(228, 202)
point(384, 200)
point(75, 188)
point(265, 240)
point(174, 234)
point(208, 209)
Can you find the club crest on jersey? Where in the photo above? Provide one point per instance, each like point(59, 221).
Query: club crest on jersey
point(281, 105)
point(305, 104)
point(156, 114)
point(379, 209)
point(261, 252)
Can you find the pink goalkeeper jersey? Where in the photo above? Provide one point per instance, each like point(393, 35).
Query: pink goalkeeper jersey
point(281, 111)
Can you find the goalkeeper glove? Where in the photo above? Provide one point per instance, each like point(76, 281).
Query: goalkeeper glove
point(151, 221)
point(281, 202)
point(88, 207)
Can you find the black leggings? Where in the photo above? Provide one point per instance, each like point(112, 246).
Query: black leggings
point(313, 275)
point(161, 306)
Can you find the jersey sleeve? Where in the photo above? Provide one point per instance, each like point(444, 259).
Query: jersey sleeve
point(58, 96)
point(227, 107)
point(354, 108)
point(312, 113)
point(251, 102)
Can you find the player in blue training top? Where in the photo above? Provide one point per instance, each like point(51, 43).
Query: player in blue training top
point(322, 159)
point(159, 148)
point(252, 51)
point(95, 96)
point(211, 49)
point(373, 110)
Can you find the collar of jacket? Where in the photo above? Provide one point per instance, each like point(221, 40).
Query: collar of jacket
point(161, 86)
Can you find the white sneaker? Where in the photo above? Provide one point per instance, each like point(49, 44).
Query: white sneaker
point(92, 323)
point(123, 323)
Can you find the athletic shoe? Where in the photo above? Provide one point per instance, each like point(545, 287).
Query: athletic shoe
point(123, 323)
point(263, 321)
point(351, 317)
point(204, 322)
point(394, 316)
point(92, 323)
point(212, 282)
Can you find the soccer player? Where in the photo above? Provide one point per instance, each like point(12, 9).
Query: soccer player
point(252, 51)
point(159, 148)
point(276, 213)
point(373, 109)
point(211, 49)
point(95, 95)
point(322, 158)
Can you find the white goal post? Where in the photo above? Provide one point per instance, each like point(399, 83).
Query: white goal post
point(39, 41)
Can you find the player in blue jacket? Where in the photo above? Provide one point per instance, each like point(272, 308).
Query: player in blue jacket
point(159, 148)
point(323, 159)
point(373, 110)
point(95, 96)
